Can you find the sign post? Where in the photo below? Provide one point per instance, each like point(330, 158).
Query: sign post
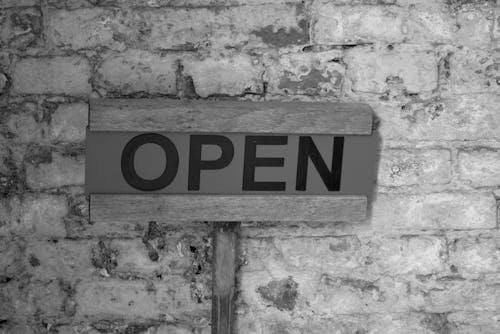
point(228, 162)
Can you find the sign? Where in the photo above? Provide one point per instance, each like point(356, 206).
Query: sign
point(229, 163)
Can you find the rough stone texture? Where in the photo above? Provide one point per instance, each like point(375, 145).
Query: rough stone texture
point(399, 167)
point(481, 167)
point(373, 71)
point(57, 75)
point(426, 260)
point(137, 71)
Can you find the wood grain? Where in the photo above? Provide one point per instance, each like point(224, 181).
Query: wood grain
point(176, 208)
point(224, 276)
point(230, 116)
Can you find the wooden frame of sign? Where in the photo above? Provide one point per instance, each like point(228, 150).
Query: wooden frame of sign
point(226, 211)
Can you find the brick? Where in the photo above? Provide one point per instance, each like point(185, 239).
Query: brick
point(464, 117)
point(475, 254)
point(306, 73)
point(356, 24)
point(474, 70)
point(457, 294)
point(252, 25)
point(23, 300)
point(11, 264)
point(324, 295)
point(474, 28)
point(336, 255)
point(69, 260)
point(371, 69)
point(23, 127)
point(137, 71)
point(423, 255)
point(184, 29)
point(17, 3)
point(69, 122)
point(389, 323)
point(39, 215)
point(59, 171)
point(434, 211)
point(225, 75)
point(400, 167)
point(57, 75)
point(86, 28)
point(178, 254)
point(20, 28)
point(480, 167)
point(346, 255)
point(169, 299)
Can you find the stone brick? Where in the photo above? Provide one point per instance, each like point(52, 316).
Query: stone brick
point(422, 255)
point(464, 117)
point(475, 254)
point(20, 28)
point(474, 28)
point(86, 28)
point(306, 73)
point(11, 264)
point(23, 300)
point(23, 127)
point(346, 255)
point(185, 29)
point(372, 68)
point(61, 259)
point(434, 211)
point(474, 70)
point(137, 71)
point(456, 294)
point(377, 323)
point(169, 299)
point(173, 253)
point(335, 255)
point(17, 3)
point(356, 24)
point(480, 167)
point(225, 75)
point(60, 171)
point(37, 215)
point(57, 75)
point(325, 295)
point(68, 123)
point(400, 167)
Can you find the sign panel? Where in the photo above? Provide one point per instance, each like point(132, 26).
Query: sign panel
point(229, 163)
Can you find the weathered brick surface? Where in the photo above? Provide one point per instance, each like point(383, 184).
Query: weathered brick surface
point(373, 70)
point(138, 71)
point(58, 171)
point(400, 167)
point(58, 75)
point(426, 259)
point(434, 211)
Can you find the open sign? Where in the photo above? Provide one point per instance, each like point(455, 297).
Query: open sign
point(228, 163)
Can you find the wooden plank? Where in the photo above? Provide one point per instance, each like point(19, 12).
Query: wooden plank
point(229, 116)
point(223, 276)
point(175, 208)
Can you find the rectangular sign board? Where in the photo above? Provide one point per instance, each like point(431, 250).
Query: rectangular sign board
point(229, 163)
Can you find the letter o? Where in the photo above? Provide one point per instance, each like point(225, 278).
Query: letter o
point(128, 168)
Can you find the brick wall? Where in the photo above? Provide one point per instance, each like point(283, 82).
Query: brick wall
point(427, 260)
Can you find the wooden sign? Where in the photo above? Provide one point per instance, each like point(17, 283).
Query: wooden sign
point(289, 161)
point(227, 162)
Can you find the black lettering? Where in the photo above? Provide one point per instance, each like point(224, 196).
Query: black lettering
point(127, 162)
point(195, 162)
point(251, 162)
point(307, 149)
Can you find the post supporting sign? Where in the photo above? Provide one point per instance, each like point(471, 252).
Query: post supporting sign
point(228, 162)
